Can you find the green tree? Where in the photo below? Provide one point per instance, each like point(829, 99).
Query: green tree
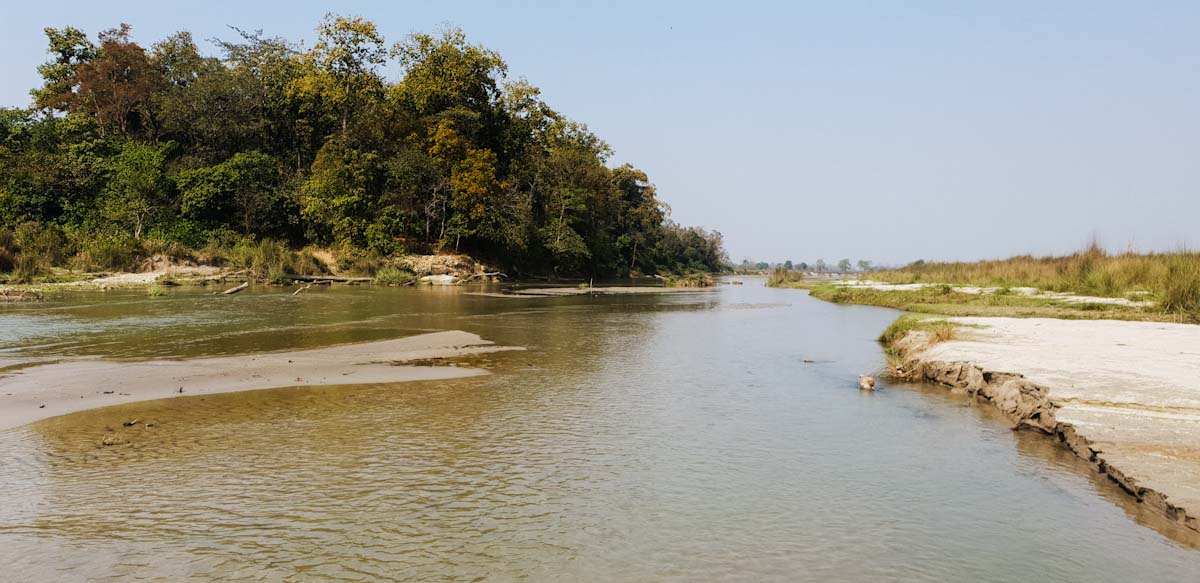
point(844, 265)
point(137, 187)
point(340, 192)
point(70, 48)
point(341, 69)
point(238, 191)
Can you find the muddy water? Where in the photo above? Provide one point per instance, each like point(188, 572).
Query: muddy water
point(644, 438)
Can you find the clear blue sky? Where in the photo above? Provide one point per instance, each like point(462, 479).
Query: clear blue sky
point(885, 130)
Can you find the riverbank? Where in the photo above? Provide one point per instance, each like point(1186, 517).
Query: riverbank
point(31, 390)
point(1121, 395)
point(967, 300)
point(406, 270)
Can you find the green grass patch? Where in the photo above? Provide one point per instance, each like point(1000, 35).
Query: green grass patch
point(938, 330)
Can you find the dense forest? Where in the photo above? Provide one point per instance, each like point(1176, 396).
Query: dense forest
point(127, 151)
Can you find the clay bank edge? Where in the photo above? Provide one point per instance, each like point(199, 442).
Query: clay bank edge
point(1120, 395)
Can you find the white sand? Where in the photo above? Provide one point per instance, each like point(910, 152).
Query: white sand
point(53, 389)
point(1132, 388)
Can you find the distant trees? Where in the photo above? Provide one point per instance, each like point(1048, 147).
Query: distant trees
point(314, 146)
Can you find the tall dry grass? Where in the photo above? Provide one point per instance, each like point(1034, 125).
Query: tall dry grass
point(1173, 279)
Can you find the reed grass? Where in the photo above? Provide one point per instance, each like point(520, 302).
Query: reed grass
point(1172, 280)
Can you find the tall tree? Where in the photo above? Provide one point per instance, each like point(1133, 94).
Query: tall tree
point(341, 69)
point(70, 48)
point(117, 85)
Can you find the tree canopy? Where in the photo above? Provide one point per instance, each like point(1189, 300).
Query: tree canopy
point(269, 139)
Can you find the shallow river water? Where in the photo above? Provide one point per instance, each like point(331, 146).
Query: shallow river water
point(680, 437)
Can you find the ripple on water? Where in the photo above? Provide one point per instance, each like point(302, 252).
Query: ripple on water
point(638, 439)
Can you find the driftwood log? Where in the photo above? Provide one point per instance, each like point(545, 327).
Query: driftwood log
point(234, 290)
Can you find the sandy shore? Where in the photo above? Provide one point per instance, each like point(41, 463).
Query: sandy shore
point(1125, 395)
point(39, 390)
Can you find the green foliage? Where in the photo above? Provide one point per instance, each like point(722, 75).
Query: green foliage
point(271, 146)
point(108, 252)
point(8, 250)
point(137, 186)
point(393, 275)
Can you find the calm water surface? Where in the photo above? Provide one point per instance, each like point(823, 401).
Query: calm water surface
point(649, 438)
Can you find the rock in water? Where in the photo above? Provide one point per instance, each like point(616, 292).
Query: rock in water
point(866, 383)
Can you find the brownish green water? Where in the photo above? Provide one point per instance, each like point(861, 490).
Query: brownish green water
point(640, 438)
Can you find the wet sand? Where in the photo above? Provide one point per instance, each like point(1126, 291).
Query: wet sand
point(1129, 389)
point(38, 390)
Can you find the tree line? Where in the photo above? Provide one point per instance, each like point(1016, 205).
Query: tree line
point(313, 146)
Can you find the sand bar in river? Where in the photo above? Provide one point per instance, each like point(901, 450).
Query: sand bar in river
point(39, 390)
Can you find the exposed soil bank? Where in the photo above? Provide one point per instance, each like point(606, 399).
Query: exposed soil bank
point(1121, 395)
point(39, 390)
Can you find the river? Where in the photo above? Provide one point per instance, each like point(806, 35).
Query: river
point(711, 436)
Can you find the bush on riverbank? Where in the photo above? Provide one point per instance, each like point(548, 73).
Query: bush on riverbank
point(781, 277)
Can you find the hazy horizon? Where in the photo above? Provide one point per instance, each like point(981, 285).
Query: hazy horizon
point(888, 133)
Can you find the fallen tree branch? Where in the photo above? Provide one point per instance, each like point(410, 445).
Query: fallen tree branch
point(234, 290)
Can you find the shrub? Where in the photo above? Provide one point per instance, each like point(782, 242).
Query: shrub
point(8, 250)
point(393, 275)
point(359, 262)
point(115, 252)
point(305, 263)
point(26, 267)
point(47, 242)
point(172, 249)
